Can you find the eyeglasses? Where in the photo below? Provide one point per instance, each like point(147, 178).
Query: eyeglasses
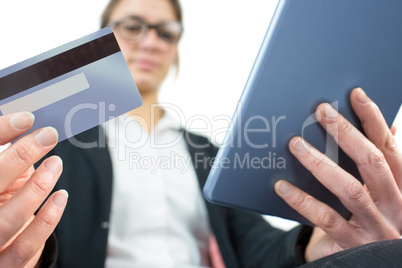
point(134, 28)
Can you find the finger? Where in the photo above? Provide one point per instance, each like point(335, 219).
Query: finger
point(316, 248)
point(24, 153)
point(27, 244)
point(349, 190)
point(318, 213)
point(35, 259)
point(17, 210)
point(18, 233)
point(14, 125)
point(370, 161)
point(377, 131)
point(16, 185)
point(393, 130)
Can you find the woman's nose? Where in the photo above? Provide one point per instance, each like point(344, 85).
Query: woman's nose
point(151, 39)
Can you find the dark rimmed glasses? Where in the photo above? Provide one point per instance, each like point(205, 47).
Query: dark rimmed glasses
point(134, 29)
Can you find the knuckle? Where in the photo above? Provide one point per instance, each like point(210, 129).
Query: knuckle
point(327, 219)
point(7, 225)
point(302, 202)
point(318, 161)
point(344, 127)
point(372, 111)
point(374, 107)
point(390, 146)
point(354, 191)
point(47, 222)
point(42, 184)
point(23, 154)
point(21, 253)
point(376, 158)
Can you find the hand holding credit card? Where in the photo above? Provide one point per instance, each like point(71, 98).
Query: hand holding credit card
point(73, 87)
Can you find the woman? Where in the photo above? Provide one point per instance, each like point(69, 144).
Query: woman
point(136, 216)
point(158, 216)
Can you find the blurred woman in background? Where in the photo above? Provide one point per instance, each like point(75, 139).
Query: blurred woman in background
point(121, 214)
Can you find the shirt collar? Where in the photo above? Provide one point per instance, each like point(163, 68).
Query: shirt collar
point(167, 122)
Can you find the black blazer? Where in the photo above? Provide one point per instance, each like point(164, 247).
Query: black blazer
point(245, 239)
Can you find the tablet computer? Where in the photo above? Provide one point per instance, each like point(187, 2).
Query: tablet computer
point(314, 51)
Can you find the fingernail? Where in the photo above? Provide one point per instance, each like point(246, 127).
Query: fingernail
point(330, 113)
point(47, 136)
point(283, 187)
point(361, 96)
point(53, 164)
point(22, 120)
point(300, 146)
point(60, 199)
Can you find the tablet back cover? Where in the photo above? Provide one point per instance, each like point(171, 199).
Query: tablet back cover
point(314, 51)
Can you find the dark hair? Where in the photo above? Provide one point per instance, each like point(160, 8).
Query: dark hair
point(105, 18)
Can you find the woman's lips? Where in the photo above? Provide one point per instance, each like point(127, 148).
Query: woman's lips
point(145, 64)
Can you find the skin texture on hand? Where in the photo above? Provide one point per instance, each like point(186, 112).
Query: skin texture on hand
point(375, 206)
point(23, 190)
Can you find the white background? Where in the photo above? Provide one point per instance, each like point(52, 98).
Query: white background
point(220, 43)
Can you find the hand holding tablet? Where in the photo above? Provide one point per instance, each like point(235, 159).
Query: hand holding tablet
point(376, 206)
point(296, 148)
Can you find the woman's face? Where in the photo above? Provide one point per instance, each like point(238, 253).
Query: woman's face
point(150, 58)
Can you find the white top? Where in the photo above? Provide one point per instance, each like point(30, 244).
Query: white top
point(158, 216)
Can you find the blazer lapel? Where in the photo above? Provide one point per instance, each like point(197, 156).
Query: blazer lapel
point(99, 158)
point(217, 214)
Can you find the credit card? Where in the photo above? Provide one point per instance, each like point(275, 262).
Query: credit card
point(73, 87)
